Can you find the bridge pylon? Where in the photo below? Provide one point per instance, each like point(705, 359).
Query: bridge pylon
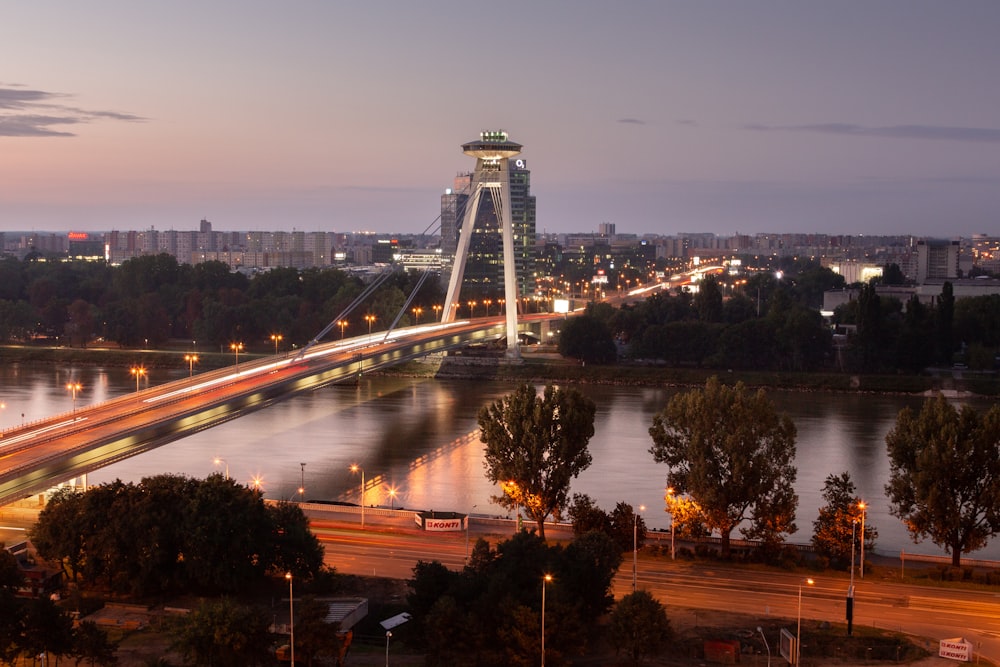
point(492, 151)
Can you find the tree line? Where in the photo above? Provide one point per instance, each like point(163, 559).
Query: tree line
point(730, 466)
point(151, 299)
point(772, 324)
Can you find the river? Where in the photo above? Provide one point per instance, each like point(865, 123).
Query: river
point(417, 436)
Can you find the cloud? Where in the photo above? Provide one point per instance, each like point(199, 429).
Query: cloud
point(631, 121)
point(35, 113)
point(931, 132)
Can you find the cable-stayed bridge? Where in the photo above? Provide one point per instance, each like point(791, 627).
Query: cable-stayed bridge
point(41, 455)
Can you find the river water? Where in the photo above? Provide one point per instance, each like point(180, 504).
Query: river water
point(417, 436)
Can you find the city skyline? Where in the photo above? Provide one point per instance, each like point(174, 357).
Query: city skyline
point(662, 118)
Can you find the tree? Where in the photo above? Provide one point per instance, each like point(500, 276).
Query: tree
point(536, 445)
point(708, 300)
point(586, 516)
point(91, 644)
point(731, 451)
point(639, 626)
point(224, 632)
point(944, 475)
point(627, 527)
point(838, 527)
point(587, 338)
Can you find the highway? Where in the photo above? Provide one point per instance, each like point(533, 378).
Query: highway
point(391, 546)
point(38, 456)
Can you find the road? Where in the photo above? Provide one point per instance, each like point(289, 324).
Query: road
point(391, 546)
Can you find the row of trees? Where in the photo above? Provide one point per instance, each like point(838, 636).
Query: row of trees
point(730, 458)
point(174, 534)
point(783, 330)
point(150, 299)
point(490, 613)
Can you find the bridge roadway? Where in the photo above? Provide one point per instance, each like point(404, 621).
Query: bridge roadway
point(38, 456)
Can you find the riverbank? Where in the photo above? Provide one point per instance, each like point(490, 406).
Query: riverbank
point(542, 364)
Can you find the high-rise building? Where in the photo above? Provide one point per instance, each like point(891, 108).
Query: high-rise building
point(484, 264)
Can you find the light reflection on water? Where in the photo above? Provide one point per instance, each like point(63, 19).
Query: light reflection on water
point(412, 435)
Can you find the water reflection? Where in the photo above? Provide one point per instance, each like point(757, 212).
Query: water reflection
point(412, 435)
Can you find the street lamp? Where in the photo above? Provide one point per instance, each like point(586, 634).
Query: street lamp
point(356, 468)
point(388, 636)
point(138, 372)
point(75, 387)
point(277, 338)
point(191, 359)
point(472, 309)
point(219, 461)
point(546, 579)
point(343, 325)
point(798, 629)
point(302, 485)
point(468, 519)
point(437, 309)
point(862, 507)
point(236, 347)
point(670, 503)
point(635, 546)
point(291, 617)
point(417, 312)
point(766, 645)
point(392, 498)
point(369, 318)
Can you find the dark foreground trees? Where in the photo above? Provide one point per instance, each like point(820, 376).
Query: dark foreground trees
point(535, 445)
point(172, 534)
point(944, 475)
point(490, 612)
point(731, 451)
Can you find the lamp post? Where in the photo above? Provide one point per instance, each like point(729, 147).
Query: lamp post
point(370, 318)
point(343, 325)
point(138, 372)
point(277, 338)
point(437, 310)
point(635, 546)
point(862, 507)
point(798, 628)
point(291, 617)
point(766, 645)
point(546, 579)
point(191, 359)
point(74, 387)
point(219, 461)
point(302, 484)
point(417, 312)
point(388, 636)
point(356, 468)
point(468, 520)
point(392, 498)
point(236, 347)
point(670, 503)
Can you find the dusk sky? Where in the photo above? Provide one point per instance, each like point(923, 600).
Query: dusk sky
point(840, 116)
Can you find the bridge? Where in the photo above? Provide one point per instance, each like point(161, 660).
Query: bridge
point(36, 457)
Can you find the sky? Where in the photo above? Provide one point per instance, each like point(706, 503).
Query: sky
point(660, 116)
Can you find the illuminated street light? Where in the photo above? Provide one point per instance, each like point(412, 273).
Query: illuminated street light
point(73, 387)
point(546, 579)
point(257, 483)
point(370, 318)
point(437, 310)
point(635, 546)
point(862, 507)
point(392, 497)
point(343, 325)
point(388, 636)
point(219, 461)
point(670, 503)
point(138, 372)
point(356, 468)
point(417, 312)
point(236, 347)
point(302, 486)
point(798, 629)
point(291, 617)
point(192, 359)
point(277, 338)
